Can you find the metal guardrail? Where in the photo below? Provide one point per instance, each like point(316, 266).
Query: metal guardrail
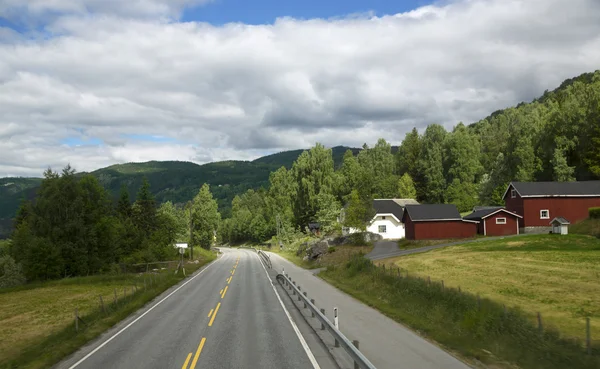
point(360, 360)
point(266, 258)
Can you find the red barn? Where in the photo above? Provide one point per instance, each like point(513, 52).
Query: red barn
point(432, 221)
point(539, 202)
point(495, 221)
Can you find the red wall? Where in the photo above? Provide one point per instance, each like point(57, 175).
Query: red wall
point(493, 229)
point(515, 205)
point(574, 209)
point(441, 229)
point(409, 228)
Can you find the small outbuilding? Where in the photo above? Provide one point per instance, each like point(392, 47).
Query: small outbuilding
point(495, 221)
point(560, 225)
point(431, 221)
point(315, 228)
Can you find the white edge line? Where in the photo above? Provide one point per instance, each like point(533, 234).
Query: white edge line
point(309, 353)
point(138, 318)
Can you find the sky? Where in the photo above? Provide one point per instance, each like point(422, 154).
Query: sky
point(98, 82)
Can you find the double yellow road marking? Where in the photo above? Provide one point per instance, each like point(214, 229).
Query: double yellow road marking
point(212, 315)
point(210, 323)
point(198, 351)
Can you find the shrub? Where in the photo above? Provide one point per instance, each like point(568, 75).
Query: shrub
point(594, 213)
point(10, 273)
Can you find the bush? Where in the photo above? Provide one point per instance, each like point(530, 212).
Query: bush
point(10, 273)
point(594, 213)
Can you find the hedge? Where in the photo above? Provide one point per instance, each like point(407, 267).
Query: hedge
point(594, 213)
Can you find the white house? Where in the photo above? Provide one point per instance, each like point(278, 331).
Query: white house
point(387, 221)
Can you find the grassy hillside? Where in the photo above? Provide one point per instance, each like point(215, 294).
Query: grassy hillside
point(175, 181)
point(555, 275)
point(589, 226)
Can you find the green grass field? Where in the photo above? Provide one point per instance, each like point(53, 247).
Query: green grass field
point(37, 319)
point(558, 276)
point(589, 226)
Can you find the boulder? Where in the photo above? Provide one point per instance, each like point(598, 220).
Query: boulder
point(317, 249)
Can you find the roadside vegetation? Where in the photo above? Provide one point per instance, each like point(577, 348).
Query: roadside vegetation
point(589, 226)
point(477, 330)
point(38, 318)
point(557, 276)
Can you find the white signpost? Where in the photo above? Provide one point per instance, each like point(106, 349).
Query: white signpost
point(181, 247)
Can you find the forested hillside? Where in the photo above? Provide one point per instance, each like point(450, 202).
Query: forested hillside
point(553, 138)
point(173, 181)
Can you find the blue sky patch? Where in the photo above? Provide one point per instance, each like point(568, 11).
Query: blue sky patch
point(77, 141)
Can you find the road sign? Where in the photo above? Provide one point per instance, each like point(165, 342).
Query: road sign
point(181, 245)
point(182, 250)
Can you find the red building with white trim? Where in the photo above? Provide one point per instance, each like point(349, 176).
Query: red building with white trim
point(495, 221)
point(436, 221)
point(539, 202)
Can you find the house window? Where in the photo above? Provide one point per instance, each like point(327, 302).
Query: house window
point(513, 193)
point(383, 217)
point(544, 214)
point(500, 220)
point(382, 229)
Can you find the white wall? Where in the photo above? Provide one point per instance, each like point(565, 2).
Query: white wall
point(394, 230)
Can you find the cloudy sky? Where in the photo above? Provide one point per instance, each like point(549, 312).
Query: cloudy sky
point(98, 82)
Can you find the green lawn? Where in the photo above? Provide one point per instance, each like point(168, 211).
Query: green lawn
point(558, 276)
point(37, 319)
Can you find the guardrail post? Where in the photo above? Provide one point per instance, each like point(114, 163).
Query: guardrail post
point(355, 343)
point(323, 324)
point(304, 301)
point(312, 313)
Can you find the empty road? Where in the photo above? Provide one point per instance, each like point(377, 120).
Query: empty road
point(226, 316)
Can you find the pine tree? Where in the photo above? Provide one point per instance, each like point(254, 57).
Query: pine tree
point(124, 204)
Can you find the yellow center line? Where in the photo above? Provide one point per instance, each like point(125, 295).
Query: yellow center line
point(224, 291)
point(187, 361)
point(232, 273)
point(229, 279)
point(198, 353)
point(211, 311)
point(214, 315)
point(221, 292)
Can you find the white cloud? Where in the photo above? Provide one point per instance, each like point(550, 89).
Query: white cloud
point(236, 91)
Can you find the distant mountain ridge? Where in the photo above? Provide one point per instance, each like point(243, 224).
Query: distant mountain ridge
point(176, 181)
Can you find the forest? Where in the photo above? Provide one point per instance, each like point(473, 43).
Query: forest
point(74, 228)
point(554, 138)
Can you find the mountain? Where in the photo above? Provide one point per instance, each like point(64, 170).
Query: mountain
point(175, 181)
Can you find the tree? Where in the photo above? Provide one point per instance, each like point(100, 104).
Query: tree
point(462, 194)
point(408, 154)
point(328, 213)
point(144, 209)
point(205, 218)
point(358, 212)
point(431, 164)
point(406, 187)
point(313, 175)
point(562, 171)
point(124, 204)
point(378, 166)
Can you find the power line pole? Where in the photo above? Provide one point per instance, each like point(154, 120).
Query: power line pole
point(191, 234)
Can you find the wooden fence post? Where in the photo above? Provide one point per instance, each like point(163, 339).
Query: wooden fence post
point(428, 280)
point(540, 325)
point(588, 336)
point(76, 320)
point(478, 302)
point(124, 291)
point(115, 292)
point(459, 291)
point(442, 284)
point(102, 304)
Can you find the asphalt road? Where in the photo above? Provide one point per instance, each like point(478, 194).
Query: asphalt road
point(226, 316)
point(386, 343)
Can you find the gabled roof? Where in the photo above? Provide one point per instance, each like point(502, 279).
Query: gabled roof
point(429, 212)
point(404, 202)
point(484, 213)
point(477, 208)
point(559, 220)
point(388, 206)
point(558, 189)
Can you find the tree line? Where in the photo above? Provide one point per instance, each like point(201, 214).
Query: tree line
point(73, 228)
point(553, 138)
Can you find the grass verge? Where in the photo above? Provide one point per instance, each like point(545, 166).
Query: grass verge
point(478, 329)
point(557, 276)
point(38, 319)
point(589, 226)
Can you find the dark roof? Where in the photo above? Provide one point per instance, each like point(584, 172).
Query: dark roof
point(560, 220)
point(388, 206)
point(314, 225)
point(542, 189)
point(477, 208)
point(480, 214)
point(433, 212)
